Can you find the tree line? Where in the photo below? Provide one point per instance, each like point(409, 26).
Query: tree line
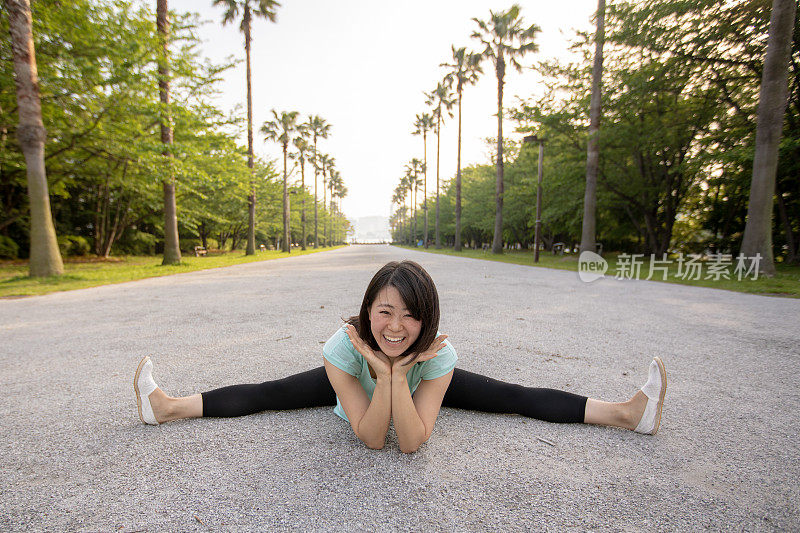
point(135, 156)
point(661, 135)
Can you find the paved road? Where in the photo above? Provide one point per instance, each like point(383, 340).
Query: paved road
point(74, 455)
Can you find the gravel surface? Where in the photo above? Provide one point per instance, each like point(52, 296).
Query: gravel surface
point(75, 456)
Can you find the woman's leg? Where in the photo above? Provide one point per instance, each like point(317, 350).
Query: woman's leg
point(472, 391)
point(622, 414)
point(475, 392)
point(306, 389)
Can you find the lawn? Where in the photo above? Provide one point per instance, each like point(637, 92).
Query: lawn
point(786, 281)
point(83, 272)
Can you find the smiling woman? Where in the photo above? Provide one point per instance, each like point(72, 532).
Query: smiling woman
point(391, 363)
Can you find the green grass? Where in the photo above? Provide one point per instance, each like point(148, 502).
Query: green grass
point(786, 281)
point(80, 273)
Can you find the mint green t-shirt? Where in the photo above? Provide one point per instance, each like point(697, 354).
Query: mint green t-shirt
point(341, 353)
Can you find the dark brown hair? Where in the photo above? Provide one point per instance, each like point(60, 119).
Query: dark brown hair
point(418, 292)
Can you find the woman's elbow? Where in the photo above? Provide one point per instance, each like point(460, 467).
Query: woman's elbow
point(410, 449)
point(374, 445)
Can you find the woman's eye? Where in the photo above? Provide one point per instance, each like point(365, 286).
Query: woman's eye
point(384, 312)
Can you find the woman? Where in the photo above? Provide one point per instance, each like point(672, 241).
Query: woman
point(390, 363)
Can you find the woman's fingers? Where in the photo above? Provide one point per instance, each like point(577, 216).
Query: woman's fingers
point(358, 342)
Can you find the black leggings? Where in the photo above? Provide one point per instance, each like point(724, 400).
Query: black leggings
point(466, 391)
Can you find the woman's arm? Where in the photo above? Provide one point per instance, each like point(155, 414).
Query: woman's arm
point(369, 419)
point(414, 418)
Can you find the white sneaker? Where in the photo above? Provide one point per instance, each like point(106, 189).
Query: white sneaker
point(144, 385)
point(654, 389)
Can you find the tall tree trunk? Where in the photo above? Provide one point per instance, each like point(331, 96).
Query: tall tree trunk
point(45, 258)
point(324, 201)
point(251, 200)
point(413, 215)
point(316, 171)
point(286, 243)
point(425, 186)
point(172, 250)
point(757, 237)
point(497, 244)
point(589, 230)
point(457, 242)
point(438, 137)
point(303, 209)
point(792, 257)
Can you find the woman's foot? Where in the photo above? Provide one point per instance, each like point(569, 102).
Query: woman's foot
point(645, 407)
point(144, 386)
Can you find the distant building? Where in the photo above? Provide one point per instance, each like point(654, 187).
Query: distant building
point(372, 229)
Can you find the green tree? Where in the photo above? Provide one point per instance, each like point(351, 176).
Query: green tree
point(772, 105)
point(413, 170)
point(328, 165)
point(441, 101)
point(172, 250)
point(266, 9)
point(45, 258)
point(464, 70)
point(303, 149)
point(589, 231)
point(281, 129)
point(503, 36)
point(319, 129)
point(398, 198)
point(422, 125)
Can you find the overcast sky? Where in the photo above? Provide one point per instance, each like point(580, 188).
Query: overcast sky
point(363, 66)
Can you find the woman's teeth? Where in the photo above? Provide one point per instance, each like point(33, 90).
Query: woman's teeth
point(392, 340)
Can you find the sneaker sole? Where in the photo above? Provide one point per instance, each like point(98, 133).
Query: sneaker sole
point(663, 371)
point(136, 387)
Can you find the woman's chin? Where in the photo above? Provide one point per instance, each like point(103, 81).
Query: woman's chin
point(391, 351)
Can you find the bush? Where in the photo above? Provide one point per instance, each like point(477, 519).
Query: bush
point(135, 242)
point(8, 248)
point(73, 245)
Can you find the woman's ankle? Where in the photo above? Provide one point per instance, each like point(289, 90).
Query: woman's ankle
point(633, 410)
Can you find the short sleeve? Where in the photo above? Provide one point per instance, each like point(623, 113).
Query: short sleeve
point(339, 351)
point(444, 362)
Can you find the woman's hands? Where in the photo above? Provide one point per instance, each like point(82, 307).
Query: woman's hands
point(399, 365)
point(378, 361)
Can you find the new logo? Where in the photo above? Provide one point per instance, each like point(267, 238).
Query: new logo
point(591, 267)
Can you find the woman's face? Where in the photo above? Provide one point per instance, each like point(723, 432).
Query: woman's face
point(391, 322)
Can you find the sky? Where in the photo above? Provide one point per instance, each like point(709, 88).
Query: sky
point(364, 65)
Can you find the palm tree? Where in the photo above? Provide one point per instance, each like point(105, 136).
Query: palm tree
point(45, 257)
point(266, 9)
point(318, 128)
point(503, 36)
point(441, 100)
point(413, 181)
point(589, 229)
point(422, 125)
point(303, 149)
point(327, 171)
point(172, 249)
point(757, 237)
point(465, 70)
point(281, 129)
point(399, 198)
point(405, 183)
point(338, 191)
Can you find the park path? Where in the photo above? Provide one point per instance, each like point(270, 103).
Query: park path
point(74, 455)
